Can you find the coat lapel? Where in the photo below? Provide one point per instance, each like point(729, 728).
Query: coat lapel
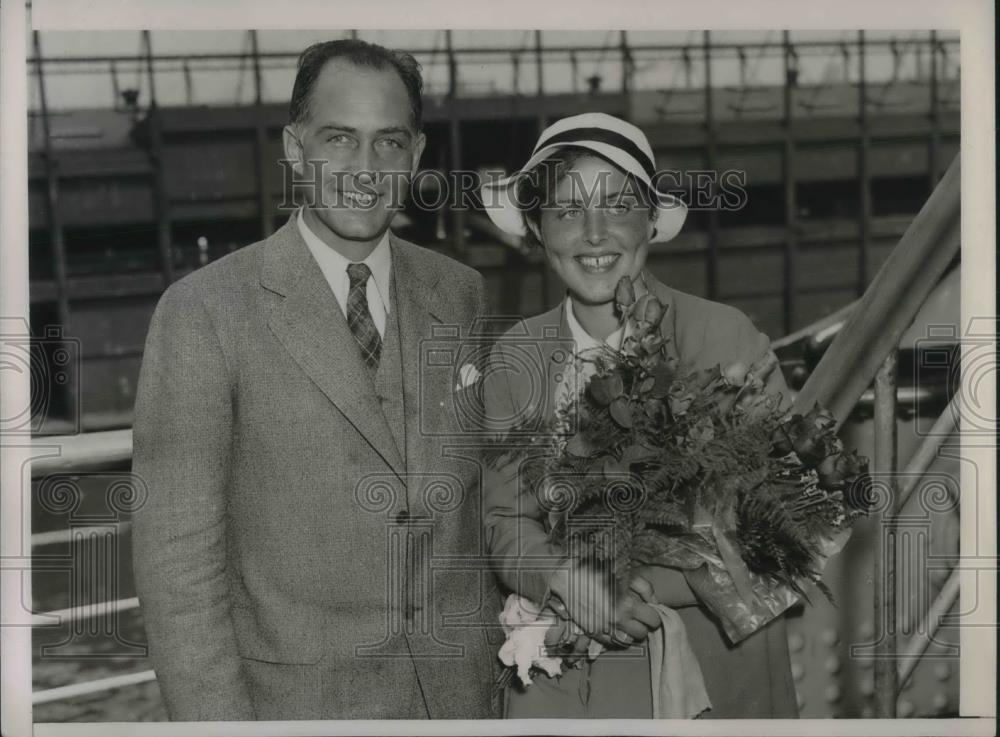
point(313, 329)
point(421, 306)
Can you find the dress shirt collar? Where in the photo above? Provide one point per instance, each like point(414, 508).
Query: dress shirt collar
point(584, 340)
point(334, 265)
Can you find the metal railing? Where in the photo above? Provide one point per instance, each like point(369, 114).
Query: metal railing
point(864, 350)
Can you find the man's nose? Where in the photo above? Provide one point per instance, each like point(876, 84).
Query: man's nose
point(365, 166)
point(594, 225)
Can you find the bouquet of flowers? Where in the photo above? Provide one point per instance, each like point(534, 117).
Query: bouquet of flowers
point(652, 463)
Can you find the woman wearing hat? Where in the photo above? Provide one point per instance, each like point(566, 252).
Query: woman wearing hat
point(587, 198)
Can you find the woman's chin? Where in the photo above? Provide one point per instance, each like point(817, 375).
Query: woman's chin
point(593, 295)
point(596, 290)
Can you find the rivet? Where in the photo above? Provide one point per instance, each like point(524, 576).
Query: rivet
point(940, 702)
point(832, 664)
point(795, 642)
point(798, 671)
point(866, 687)
point(942, 671)
point(558, 377)
point(867, 630)
point(905, 709)
point(867, 713)
point(832, 693)
point(830, 637)
point(799, 700)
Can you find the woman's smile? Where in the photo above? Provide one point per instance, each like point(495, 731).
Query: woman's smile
point(598, 263)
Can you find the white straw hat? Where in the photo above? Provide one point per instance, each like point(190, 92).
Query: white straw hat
point(621, 143)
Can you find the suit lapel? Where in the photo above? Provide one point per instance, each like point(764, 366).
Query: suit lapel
point(421, 306)
point(313, 329)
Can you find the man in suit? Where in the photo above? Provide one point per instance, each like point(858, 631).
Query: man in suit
point(297, 501)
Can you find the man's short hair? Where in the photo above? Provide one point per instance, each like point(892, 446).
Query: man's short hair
point(361, 54)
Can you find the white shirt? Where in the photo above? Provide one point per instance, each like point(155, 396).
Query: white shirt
point(334, 268)
point(578, 373)
point(585, 341)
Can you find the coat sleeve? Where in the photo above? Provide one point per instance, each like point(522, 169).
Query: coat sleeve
point(516, 540)
point(182, 436)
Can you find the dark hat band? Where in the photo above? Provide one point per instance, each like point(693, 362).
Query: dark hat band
point(602, 135)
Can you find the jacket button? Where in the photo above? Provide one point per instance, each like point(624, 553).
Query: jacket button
point(402, 517)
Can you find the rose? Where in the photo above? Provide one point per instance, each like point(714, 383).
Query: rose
point(839, 469)
point(820, 418)
point(648, 311)
point(679, 398)
point(651, 343)
point(624, 295)
point(735, 373)
point(605, 389)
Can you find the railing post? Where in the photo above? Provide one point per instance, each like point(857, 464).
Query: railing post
point(264, 201)
point(934, 142)
point(788, 164)
point(160, 197)
point(884, 556)
point(539, 68)
point(59, 266)
point(864, 185)
point(712, 266)
point(455, 142)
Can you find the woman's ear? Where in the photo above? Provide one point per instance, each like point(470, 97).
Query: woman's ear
point(533, 227)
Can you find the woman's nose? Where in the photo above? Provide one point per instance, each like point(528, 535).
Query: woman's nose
point(594, 226)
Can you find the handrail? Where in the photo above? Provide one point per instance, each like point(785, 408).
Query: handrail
point(83, 452)
point(85, 688)
point(889, 304)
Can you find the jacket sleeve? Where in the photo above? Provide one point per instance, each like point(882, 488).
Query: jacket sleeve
point(182, 435)
point(755, 348)
point(516, 539)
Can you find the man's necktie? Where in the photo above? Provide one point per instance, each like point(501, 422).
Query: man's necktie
point(359, 319)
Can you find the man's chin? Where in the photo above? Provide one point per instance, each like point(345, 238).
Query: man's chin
point(356, 229)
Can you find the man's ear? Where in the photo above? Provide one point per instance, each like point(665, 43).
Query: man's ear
point(293, 150)
point(418, 150)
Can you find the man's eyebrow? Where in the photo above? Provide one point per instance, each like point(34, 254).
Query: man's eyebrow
point(337, 127)
point(395, 129)
point(333, 126)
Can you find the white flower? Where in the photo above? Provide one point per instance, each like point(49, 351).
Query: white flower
point(467, 376)
point(525, 626)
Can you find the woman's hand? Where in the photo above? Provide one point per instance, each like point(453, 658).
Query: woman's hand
point(670, 585)
point(613, 617)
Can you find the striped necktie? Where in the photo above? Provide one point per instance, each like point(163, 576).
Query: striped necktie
point(359, 318)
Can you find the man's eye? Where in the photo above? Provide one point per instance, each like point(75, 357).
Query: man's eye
point(570, 212)
point(621, 208)
point(339, 139)
point(391, 143)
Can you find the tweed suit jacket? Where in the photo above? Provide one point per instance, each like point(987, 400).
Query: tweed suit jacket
point(751, 679)
point(276, 574)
